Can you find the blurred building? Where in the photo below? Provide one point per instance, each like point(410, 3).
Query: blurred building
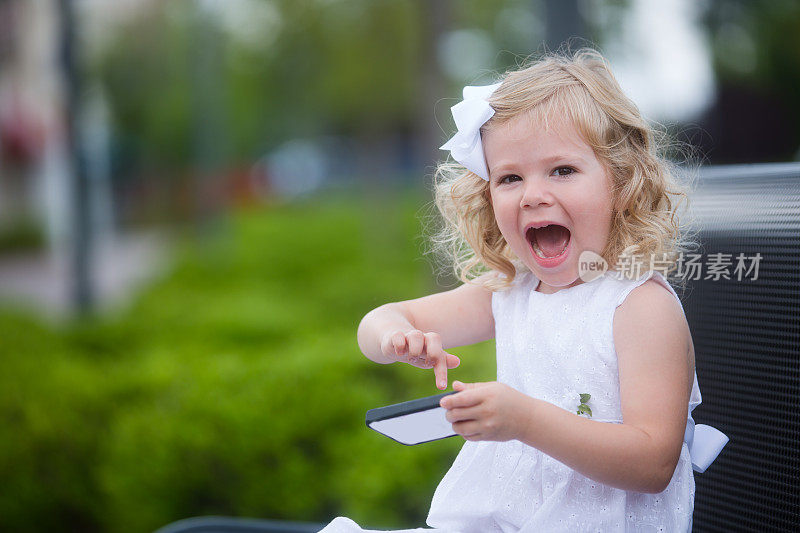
point(37, 167)
point(31, 125)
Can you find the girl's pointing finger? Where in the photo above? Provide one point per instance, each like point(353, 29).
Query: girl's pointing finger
point(433, 347)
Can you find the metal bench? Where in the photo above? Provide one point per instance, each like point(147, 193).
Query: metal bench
point(747, 344)
point(223, 524)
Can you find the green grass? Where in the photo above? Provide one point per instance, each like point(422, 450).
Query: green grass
point(234, 386)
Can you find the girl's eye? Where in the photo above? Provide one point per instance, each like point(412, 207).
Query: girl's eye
point(569, 170)
point(560, 171)
point(509, 178)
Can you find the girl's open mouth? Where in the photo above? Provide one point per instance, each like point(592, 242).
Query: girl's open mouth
point(550, 244)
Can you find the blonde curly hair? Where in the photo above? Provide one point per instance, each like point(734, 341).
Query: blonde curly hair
point(646, 188)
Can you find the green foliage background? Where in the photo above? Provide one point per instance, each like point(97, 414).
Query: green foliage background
point(234, 386)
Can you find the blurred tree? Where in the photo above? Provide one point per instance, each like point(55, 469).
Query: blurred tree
point(309, 67)
point(339, 66)
point(81, 237)
point(756, 55)
point(564, 21)
point(373, 70)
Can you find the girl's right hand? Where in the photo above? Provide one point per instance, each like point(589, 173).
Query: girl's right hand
point(422, 350)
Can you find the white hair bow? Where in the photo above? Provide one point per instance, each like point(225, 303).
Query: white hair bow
point(470, 114)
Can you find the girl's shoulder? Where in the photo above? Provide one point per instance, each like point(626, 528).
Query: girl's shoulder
point(651, 285)
point(648, 302)
point(642, 304)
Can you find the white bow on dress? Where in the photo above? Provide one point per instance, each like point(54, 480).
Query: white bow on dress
point(704, 442)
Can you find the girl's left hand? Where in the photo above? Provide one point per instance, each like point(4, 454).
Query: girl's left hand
point(486, 411)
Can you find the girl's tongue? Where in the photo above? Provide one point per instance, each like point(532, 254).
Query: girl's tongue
point(552, 239)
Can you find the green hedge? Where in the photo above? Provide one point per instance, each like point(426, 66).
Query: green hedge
point(234, 386)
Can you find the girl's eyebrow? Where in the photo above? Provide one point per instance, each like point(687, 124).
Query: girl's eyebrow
point(545, 161)
point(561, 157)
point(503, 166)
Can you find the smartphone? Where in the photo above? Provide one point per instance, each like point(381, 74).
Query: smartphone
point(413, 422)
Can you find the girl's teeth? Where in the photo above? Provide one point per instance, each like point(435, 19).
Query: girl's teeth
point(537, 249)
point(540, 253)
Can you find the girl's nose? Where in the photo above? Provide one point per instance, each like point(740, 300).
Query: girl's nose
point(535, 193)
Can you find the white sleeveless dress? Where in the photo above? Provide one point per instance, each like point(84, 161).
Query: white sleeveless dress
point(555, 347)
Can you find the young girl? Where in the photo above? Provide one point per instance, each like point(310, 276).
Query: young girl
point(588, 426)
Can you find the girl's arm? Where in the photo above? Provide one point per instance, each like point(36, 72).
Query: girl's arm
point(656, 366)
point(418, 331)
